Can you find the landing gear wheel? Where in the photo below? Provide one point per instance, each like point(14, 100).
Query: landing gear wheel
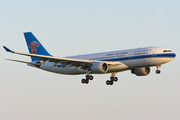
point(86, 81)
point(115, 79)
point(158, 71)
point(158, 67)
point(83, 81)
point(91, 77)
point(87, 77)
point(109, 82)
point(112, 78)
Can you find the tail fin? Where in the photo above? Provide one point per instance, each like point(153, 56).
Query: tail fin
point(34, 46)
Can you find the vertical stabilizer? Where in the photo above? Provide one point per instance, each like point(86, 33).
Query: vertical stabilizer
point(34, 46)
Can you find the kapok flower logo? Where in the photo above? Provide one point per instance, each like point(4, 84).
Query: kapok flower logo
point(34, 46)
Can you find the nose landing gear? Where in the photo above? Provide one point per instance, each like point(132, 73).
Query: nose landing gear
point(158, 67)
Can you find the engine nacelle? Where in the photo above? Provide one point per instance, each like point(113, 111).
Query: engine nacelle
point(141, 71)
point(99, 67)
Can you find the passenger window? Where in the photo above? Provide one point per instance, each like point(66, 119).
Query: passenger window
point(167, 51)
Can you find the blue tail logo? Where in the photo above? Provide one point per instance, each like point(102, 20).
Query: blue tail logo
point(34, 46)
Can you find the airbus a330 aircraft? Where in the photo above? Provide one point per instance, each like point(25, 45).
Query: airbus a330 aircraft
point(137, 60)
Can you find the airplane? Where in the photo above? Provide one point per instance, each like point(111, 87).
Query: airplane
point(138, 61)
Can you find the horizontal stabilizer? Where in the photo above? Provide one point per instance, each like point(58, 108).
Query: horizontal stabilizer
point(23, 62)
point(7, 49)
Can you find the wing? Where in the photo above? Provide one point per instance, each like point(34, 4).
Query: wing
point(79, 63)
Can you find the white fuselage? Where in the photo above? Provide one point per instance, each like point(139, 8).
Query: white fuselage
point(132, 58)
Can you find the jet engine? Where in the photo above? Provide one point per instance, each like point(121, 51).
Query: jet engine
point(99, 67)
point(141, 71)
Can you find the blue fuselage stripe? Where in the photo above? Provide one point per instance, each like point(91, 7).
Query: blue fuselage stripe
point(163, 55)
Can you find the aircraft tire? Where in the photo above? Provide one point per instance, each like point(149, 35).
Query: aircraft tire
point(115, 79)
point(91, 77)
point(86, 81)
point(83, 81)
point(158, 71)
point(112, 78)
point(87, 77)
point(107, 82)
point(111, 82)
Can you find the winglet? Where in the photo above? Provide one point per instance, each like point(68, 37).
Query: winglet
point(7, 49)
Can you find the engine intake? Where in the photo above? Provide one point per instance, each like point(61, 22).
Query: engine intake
point(141, 71)
point(99, 67)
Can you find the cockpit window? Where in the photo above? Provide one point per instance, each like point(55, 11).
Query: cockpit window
point(167, 51)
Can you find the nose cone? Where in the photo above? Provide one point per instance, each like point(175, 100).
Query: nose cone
point(170, 56)
point(173, 55)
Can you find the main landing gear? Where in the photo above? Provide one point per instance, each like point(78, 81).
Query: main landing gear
point(158, 71)
point(108, 82)
point(86, 81)
point(112, 79)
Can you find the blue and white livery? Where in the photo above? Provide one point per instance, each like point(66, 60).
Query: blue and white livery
point(137, 60)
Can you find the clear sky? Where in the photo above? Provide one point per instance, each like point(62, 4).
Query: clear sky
point(73, 27)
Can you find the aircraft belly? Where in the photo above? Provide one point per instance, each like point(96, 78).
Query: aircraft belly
point(118, 68)
point(146, 62)
point(128, 64)
point(62, 70)
point(159, 61)
point(137, 63)
point(69, 70)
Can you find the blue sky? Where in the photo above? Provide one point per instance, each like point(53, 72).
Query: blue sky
point(79, 27)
